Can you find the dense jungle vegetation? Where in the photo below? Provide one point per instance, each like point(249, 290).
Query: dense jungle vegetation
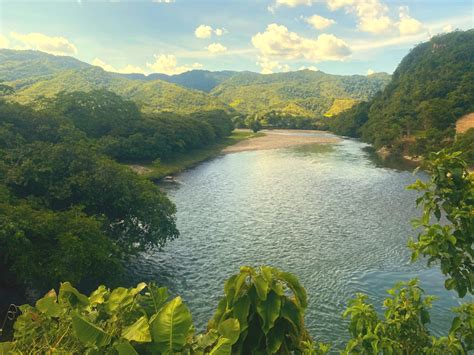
point(430, 90)
point(33, 76)
point(69, 210)
point(262, 310)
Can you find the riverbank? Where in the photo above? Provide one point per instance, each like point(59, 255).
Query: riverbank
point(279, 138)
point(159, 169)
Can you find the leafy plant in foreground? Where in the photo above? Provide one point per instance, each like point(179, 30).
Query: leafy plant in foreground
point(450, 193)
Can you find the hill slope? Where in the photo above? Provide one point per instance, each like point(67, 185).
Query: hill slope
point(35, 75)
point(307, 93)
point(304, 92)
point(431, 88)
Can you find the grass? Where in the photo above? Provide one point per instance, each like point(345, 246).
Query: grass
point(179, 162)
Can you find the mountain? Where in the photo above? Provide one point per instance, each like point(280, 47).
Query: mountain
point(304, 92)
point(430, 90)
point(203, 80)
point(34, 75)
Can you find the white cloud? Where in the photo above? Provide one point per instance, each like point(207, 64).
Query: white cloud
point(168, 64)
point(206, 31)
point(311, 67)
point(216, 48)
point(408, 25)
point(319, 22)
point(373, 17)
point(163, 1)
point(270, 66)
point(448, 28)
point(220, 31)
point(278, 42)
point(203, 31)
point(128, 69)
point(41, 42)
point(4, 42)
point(370, 72)
point(290, 3)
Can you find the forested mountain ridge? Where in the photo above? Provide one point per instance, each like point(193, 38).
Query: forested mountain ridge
point(304, 92)
point(34, 74)
point(429, 91)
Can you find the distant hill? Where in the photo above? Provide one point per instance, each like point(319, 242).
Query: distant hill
point(203, 80)
point(430, 90)
point(303, 92)
point(33, 75)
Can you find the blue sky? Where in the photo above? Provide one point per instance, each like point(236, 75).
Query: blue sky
point(335, 36)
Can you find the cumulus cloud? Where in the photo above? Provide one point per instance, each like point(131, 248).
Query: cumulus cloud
point(319, 22)
point(216, 48)
point(206, 31)
point(4, 42)
point(128, 69)
point(290, 3)
point(448, 28)
point(270, 66)
point(41, 42)
point(168, 64)
point(408, 25)
point(203, 31)
point(370, 71)
point(220, 31)
point(278, 42)
point(373, 17)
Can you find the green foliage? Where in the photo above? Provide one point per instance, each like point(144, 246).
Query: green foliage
point(430, 89)
point(73, 198)
point(449, 194)
point(256, 314)
point(253, 123)
point(262, 312)
point(302, 93)
point(465, 143)
point(403, 330)
point(35, 76)
point(269, 306)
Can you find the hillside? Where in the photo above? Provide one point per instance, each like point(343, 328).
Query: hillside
point(35, 75)
point(429, 91)
point(304, 92)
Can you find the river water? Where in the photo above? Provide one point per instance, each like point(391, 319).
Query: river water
point(327, 213)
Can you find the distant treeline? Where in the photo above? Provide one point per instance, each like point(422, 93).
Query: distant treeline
point(417, 111)
point(67, 207)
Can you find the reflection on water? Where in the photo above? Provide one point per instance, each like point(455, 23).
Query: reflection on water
point(324, 212)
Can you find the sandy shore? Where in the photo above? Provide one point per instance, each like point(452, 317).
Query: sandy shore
point(280, 138)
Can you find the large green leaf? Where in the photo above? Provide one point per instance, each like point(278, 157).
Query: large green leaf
point(269, 311)
point(298, 290)
point(138, 331)
point(48, 305)
point(88, 333)
point(261, 285)
point(230, 329)
point(122, 297)
point(241, 311)
point(72, 296)
point(170, 327)
point(125, 348)
point(223, 347)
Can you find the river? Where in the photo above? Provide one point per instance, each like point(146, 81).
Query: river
point(327, 213)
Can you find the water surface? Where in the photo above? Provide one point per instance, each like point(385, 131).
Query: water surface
point(326, 213)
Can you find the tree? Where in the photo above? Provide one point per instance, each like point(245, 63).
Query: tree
point(450, 193)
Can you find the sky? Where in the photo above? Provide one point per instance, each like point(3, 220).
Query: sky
point(267, 36)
